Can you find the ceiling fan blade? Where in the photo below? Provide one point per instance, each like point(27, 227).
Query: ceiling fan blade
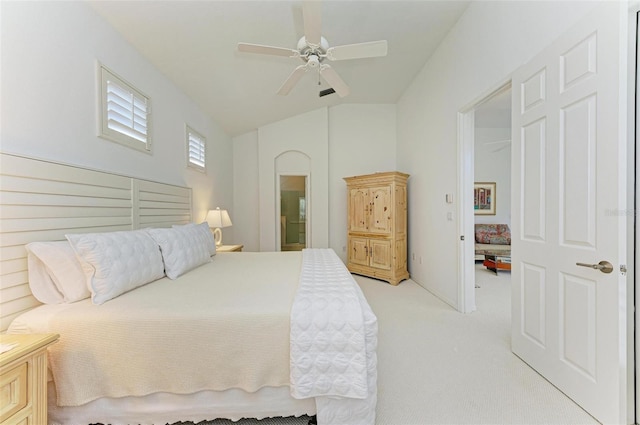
point(267, 50)
point(371, 49)
point(334, 80)
point(312, 14)
point(292, 80)
point(498, 142)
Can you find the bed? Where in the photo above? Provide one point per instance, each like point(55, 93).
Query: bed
point(231, 335)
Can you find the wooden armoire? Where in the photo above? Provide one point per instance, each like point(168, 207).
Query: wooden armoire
point(377, 225)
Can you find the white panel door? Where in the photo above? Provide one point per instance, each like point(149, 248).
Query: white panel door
point(569, 181)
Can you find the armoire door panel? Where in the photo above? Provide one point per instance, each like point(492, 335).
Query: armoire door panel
point(359, 210)
point(380, 217)
point(380, 251)
point(358, 251)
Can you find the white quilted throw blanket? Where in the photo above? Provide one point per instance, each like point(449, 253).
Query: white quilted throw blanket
point(333, 342)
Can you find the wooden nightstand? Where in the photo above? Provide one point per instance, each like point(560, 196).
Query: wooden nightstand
point(23, 379)
point(229, 248)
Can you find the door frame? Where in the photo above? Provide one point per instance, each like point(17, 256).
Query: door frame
point(634, 192)
point(466, 220)
point(307, 202)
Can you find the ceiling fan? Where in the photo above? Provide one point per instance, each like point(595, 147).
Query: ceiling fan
point(314, 49)
point(500, 144)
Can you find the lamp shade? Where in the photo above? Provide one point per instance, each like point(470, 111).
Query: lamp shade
point(218, 218)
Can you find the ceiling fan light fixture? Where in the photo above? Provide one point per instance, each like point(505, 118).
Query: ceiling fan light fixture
point(304, 47)
point(313, 49)
point(313, 61)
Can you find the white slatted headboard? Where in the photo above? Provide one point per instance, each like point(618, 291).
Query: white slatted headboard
point(43, 201)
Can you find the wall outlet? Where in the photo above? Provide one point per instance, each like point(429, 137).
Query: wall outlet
point(420, 259)
point(413, 256)
point(344, 248)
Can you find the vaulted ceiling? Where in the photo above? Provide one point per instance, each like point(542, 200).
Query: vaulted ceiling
point(194, 44)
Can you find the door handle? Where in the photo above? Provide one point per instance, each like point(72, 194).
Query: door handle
point(603, 266)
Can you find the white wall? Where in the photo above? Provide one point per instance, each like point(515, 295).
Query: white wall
point(246, 217)
point(361, 139)
point(307, 135)
point(488, 43)
point(49, 101)
point(493, 164)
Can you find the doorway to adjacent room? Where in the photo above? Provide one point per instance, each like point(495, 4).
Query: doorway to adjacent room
point(293, 212)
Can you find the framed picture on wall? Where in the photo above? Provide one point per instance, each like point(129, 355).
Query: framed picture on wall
point(484, 198)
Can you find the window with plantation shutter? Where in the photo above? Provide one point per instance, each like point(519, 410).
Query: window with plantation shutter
point(125, 112)
point(196, 150)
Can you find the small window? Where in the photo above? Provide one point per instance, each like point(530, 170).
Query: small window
point(125, 112)
point(196, 150)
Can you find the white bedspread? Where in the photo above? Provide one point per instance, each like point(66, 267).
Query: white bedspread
point(223, 325)
point(333, 342)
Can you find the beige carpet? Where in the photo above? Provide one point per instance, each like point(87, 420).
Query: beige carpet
point(437, 366)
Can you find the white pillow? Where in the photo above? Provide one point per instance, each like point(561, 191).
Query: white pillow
point(117, 262)
point(40, 283)
point(182, 249)
point(204, 232)
point(56, 263)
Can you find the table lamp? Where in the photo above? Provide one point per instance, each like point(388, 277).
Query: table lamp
point(218, 219)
